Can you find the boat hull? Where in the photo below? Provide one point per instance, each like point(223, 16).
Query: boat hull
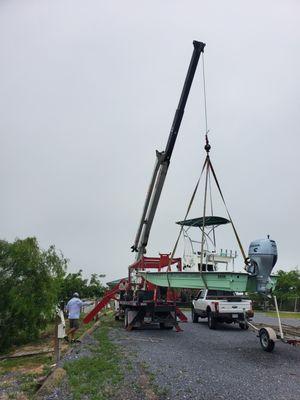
point(230, 281)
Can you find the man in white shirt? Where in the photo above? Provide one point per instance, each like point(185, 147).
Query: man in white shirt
point(74, 308)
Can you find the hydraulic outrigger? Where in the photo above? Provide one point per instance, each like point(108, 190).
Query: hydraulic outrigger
point(139, 301)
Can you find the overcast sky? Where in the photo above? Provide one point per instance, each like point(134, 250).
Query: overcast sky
point(88, 91)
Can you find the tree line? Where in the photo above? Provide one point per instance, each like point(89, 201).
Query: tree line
point(33, 282)
point(287, 291)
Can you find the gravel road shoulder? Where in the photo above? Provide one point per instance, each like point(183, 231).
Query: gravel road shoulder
point(227, 363)
point(196, 364)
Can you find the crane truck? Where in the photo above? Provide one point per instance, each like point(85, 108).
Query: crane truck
point(139, 302)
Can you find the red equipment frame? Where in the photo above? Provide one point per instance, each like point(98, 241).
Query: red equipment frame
point(159, 263)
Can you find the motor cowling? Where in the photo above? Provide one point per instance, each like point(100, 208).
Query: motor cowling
point(263, 256)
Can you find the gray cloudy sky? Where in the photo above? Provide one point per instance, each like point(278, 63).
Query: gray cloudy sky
point(88, 92)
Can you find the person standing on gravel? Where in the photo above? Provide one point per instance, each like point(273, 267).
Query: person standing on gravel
point(74, 308)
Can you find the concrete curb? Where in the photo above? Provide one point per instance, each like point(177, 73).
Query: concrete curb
point(55, 377)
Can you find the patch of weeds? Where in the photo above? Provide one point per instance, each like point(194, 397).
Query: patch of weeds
point(162, 393)
point(99, 376)
point(144, 365)
point(24, 362)
point(151, 377)
point(129, 366)
point(28, 384)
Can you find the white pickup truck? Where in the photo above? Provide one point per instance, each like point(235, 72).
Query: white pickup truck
point(221, 306)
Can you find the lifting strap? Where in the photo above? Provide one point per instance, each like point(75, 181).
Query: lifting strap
point(203, 222)
point(187, 213)
point(229, 216)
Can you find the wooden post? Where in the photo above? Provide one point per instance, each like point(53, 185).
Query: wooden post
point(56, 341)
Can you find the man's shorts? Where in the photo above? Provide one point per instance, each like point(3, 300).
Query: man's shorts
point(74, 323)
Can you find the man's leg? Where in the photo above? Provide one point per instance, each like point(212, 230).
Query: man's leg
point(72, 329)
point(76, 327)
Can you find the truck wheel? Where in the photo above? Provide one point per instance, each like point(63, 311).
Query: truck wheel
point(212, 323)
point(195, 316)
point(126, 318)
point(243, 325)
point(266, 343)
point(163, 326)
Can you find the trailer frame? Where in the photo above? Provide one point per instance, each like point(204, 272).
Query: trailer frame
point(270, 334)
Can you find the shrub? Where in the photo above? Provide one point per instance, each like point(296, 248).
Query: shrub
point(30, 283)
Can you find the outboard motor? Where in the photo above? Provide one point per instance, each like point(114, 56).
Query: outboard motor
point(263, 256)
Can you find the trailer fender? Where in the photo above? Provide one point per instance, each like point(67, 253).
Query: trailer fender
point(271, 333)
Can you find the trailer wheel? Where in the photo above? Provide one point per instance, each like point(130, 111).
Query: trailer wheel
point(195, 317)
point(212, 323)
point(266, 343)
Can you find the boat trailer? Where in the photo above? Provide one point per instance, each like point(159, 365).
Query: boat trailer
point(270, 334)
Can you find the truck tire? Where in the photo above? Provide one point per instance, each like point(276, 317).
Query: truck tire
point(195, 317)
point(212, 323)
point(266, 343)
point(126, 318)
point(162, 325)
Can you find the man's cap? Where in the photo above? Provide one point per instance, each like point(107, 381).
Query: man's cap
point(75, 294)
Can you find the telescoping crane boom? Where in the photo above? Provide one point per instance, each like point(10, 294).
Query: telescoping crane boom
point(163, 160)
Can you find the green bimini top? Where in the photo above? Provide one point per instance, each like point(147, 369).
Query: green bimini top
point(231, 281)
point(208, 221)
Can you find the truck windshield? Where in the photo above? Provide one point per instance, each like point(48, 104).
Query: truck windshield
point(219, 293)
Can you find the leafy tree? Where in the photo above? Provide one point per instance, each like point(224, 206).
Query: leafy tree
point(288, 284)
point(95, 288)
point(74, 282)
point(30, 283)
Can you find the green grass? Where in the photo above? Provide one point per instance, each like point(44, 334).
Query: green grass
point(283, 314)
point(96, 377)
point(24, 367)
point(25, 374)
point(23, 362)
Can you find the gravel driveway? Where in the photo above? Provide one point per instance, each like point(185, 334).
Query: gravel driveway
point(227, 363)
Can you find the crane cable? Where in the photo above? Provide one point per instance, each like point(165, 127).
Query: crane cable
point(208, 165)
point(246, 260)
point(207, 148)
point(204, 97)
point(205, 165)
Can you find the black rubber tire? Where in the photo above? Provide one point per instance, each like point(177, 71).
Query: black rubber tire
point(126, 318)
point(266, 343)
point(195, 316)
point(212, 323)
point(244, 326)
point(163, 326)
